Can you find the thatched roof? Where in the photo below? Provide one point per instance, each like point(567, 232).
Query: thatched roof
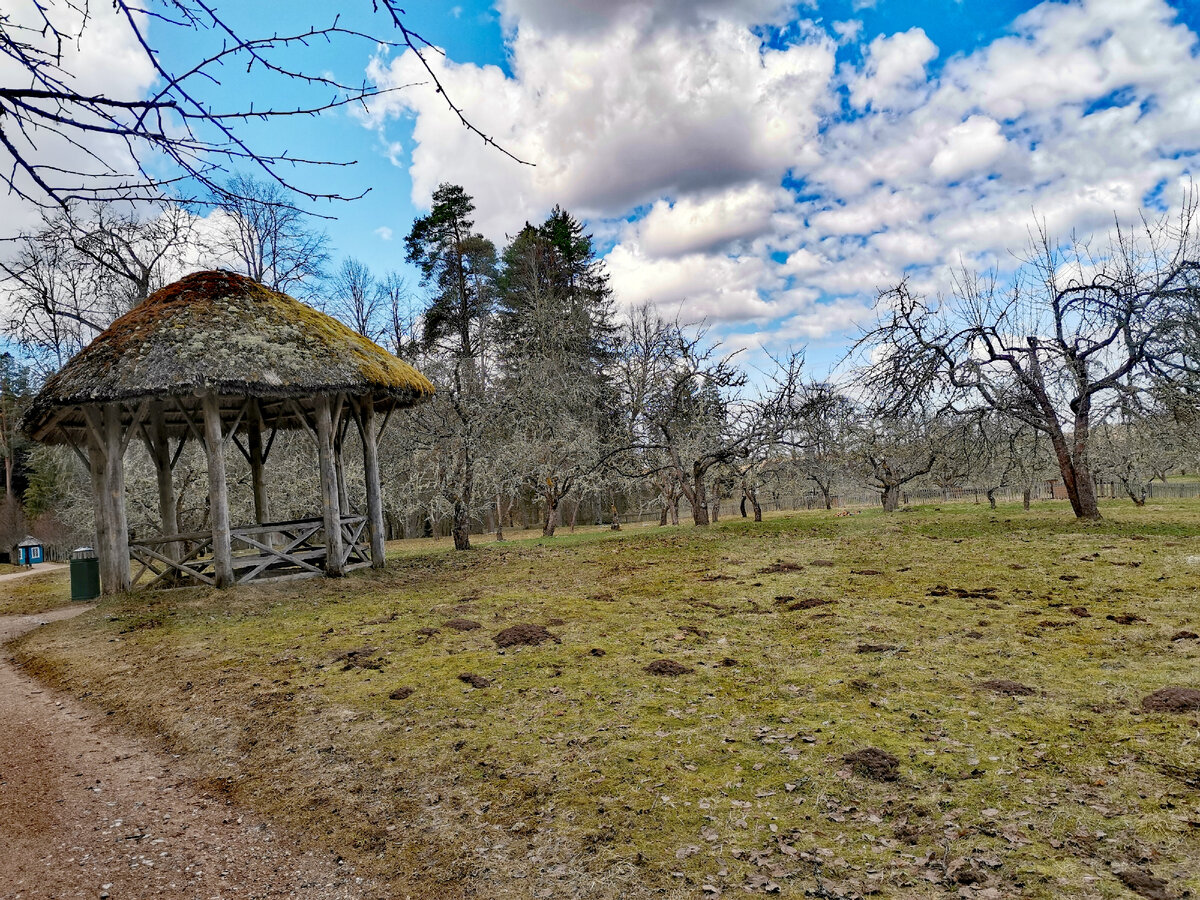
point(222, 332)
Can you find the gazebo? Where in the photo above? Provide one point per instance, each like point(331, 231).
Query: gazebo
point(221, 360)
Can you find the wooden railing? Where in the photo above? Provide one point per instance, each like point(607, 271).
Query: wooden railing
point(275, 551)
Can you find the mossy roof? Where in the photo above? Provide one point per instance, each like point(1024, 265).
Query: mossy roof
point(225, 333)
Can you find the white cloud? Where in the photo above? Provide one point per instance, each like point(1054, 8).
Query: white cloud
point(672, 127)
point(383, 232)
point(968, 148)
point(895, 68)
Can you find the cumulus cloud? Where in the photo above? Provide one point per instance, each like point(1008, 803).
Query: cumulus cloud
point(895, 67)
point(731, 181)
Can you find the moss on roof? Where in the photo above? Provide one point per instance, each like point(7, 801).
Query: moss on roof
point(220, 331)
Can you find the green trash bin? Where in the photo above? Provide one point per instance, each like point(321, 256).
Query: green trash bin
point(85, 574)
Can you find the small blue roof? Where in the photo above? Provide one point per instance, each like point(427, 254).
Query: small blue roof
point(30, 542)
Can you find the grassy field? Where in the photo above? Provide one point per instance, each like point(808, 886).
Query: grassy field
point(340, 707)
point(35, 592)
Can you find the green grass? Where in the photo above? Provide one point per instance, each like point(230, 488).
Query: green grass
point(579, 774)
point(34, 593)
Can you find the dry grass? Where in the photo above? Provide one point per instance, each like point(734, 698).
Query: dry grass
point(578, 773)
point(34, 593)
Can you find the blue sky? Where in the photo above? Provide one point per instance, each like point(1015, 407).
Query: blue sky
point(763, 166)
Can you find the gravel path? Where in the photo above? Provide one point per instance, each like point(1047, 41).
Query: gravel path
point(87, 813)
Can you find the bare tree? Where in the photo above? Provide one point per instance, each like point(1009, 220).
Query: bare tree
point(356, 298)
point(187, 134)
point(1074, 327)
point(267, 238)
point(894, 450)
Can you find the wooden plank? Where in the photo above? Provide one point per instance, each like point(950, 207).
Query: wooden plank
point(114, 544)
point(257, 459)
point(370, 442)
point(331, 509)
point(178, 566)
point(218, 496)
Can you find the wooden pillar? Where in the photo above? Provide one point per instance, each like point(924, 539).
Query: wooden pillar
point(106, 462)
point(330, 505)
point(159, 446)
point(370, 442)
point(343, 492)
point(254, 449)
point(218, 492)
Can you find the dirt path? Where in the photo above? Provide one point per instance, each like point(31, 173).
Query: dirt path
point(86, 813)
point(40, 569)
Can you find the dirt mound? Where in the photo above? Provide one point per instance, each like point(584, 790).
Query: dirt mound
point(728, 662)
point(1069, 577)
point(1125, 619)
point(463, 624)
point(809, 604)
point(668, 667)
point(524, 635)
point(779, 567)
point(596, 651)
point(1184, 636)
point(402, 693)
point(1144, 884)
point(871, 762)
point(475, 681)
point(1007, 687)
point(983, 593)
point(865, 572)
point(1080, 611)
point(428, 632)
point(359, 658)
point(875, 648)
point(1172, 700)
point(822, 563)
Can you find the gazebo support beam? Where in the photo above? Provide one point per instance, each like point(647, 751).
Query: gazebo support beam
point(159, 446)
point(330, 503)
point(257, 459)
point(105, 447)
point(218, 492)
point(370, 442)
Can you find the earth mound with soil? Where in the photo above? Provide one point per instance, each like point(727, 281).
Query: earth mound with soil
point(1172, 700)
point(873, 763)
point(463, 624)
point(402, 693)
point(475, 681)
point(1184, 636)
point(1007, 687)
point(875, 648)
point(1144, 884)
point(524, 635)
point(668, 667)
point(777, 568)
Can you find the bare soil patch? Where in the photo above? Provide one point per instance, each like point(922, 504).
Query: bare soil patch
point(875, 648)
point(402, 693)
point(1144, 884)
point(780, 567)
point(873, 763)
point(1080, 611)
point(1185, 636)
point(524, 635)
point(475, 681)
point(462, 625)
point(1172, 700)
point(1007, 687)
point(1125, 619)
point(668, 667)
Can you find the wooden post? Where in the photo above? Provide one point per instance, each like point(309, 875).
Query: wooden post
point(254, 448)
point(106, 457)
point(218, 492)
point(330, 504)
point(342, 490)
point(159, 446)
point(370, 442)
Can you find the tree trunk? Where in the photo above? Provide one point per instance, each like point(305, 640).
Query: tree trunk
point(752, 495)
point(699, 502)
point(1138, 500)
point(370, 443)
point(674, 510)
point(662, 518)
point(499, 518)
point(742, 505)
point(551, 520)
point(827, 495)
point(462, 526)
point(1026, 496)
point(890, 497)
point(991, 497)
point(574, 515)
point(716, 505)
